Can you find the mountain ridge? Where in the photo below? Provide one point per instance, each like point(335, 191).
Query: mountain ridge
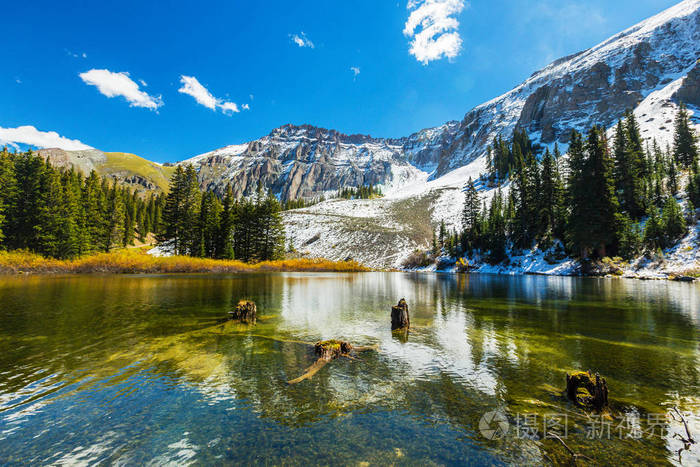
point(594, 86)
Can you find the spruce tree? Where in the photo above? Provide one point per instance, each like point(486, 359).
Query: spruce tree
point(496, 230)
point(209, 223)
point(180, 219)
point(26, 201)
point(550, 207)
point(48, 219)
point(603, 203)
point(578, 195)
point(116, 211)
point(271, 228)
point(673, 178)
point(71, 214)
point(94, 200)
point(693, 187)
point(245, 233)
point(654, 235)
point(7, 192)
point(685, 148)
point(630, 238)
point(673, 221)
point(470, 213)
point(226, 227)
point(629, 167)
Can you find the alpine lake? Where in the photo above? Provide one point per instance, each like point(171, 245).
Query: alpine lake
point(135, 370)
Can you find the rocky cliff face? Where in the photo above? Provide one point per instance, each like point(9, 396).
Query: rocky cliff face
point(592, 87)
point(305, 161)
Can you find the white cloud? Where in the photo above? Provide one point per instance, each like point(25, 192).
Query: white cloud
point(42, 139)
point(355, 70)
point(120, 84)
point(245, 107)
point(301, 40)
point(192, 87)
point(433, 28)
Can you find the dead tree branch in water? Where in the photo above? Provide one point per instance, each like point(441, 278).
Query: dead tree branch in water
point(688, 440)
point(326, 352)
point(574, 455)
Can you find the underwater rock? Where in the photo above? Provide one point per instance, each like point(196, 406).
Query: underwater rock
point(245, 312)
point(332, 349)
point(399, 316)
point(587, 390)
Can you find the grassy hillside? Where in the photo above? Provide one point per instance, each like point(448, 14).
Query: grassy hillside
point(124, 164)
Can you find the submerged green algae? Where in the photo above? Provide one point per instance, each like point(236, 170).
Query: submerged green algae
point(481, 344)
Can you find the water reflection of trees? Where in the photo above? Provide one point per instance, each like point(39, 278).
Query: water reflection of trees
point(482, 342)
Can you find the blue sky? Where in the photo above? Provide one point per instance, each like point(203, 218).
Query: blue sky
point(202, 75)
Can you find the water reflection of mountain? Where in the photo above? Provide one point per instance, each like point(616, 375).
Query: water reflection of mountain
point(478, 343)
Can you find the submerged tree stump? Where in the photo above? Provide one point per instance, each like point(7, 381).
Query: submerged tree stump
point(245, 312)
point(326, 352)
point(587, 390)
point(399, 316)
point(330, 350)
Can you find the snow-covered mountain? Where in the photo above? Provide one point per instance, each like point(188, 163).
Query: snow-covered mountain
point(305, 161)
point(648, 68)
point(592, 87)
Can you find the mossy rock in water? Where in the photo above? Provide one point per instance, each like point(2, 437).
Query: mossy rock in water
point(587, 390)
point(245, 311)
point(332, 349)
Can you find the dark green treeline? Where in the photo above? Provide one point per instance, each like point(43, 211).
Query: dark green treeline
point(62, 214)
point(606, 198)
point(200, 224)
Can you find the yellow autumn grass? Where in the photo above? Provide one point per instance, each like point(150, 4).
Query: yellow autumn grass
point(137, 261)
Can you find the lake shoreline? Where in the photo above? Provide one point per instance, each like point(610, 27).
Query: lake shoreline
point(139, 262)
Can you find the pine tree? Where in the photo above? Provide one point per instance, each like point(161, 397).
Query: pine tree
point(271, 228)
point(604, 204)
point(654, 236)
point(226, 228)
point(526, 191)
point(470, 214)
point(551, 202)
point(685, 148)
point(180, 219)
point(209, 224)
point(673, 178)
point(673, 221)
point(593, 223)
point(48, 219)
point(693, 187)
point(245, 232)
point(71, 214)
point(630, 238)
point(94, 221)
point(26, 201)
point(116, 211)
point(7, 192)
point(629, 166)
point(496, 230)
point(443, 234)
